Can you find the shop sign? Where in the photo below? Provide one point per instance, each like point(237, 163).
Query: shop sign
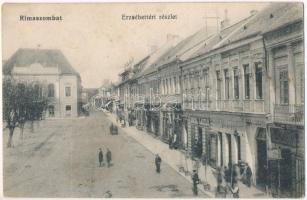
point(285, 137)
point(274, 154)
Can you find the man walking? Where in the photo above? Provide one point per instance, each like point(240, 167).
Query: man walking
point(100, 157)
point(158, 161)
point(196, 181)
point(109, 157)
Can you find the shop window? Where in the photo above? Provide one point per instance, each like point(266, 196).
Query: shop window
point(68, 91)
point(258, 76)
point(218, 85)
point(236, 83)
point(68, 108)
point(51, 90)
point(227, 84)
point(284, 86)
point(246, 81)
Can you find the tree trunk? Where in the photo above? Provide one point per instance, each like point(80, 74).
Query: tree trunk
point(38, 124)
point(9, 143)
point(21, 131)
point(32, 126)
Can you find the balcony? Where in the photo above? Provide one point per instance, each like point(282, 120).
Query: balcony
point(289, 114)
point(249, 106)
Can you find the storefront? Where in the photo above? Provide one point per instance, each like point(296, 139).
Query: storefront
point(153, 122)
point(286, 172)
point(140, 118)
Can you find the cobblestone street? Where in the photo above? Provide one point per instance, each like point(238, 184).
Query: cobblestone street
point(59, 159)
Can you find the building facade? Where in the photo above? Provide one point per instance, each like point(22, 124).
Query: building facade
point(52, 75)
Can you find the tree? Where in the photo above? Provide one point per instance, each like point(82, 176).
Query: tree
point(20, 104)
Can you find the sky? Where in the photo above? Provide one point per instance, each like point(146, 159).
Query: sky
point(95, 39)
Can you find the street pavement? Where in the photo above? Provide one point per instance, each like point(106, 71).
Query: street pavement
point(60, 159)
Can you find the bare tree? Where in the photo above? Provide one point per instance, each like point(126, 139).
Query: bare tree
point(20, 104)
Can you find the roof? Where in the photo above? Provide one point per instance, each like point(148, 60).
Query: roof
point(271, 18)
point(150, 64)
point(46, 57)
point(216, 39)
point(186, 45)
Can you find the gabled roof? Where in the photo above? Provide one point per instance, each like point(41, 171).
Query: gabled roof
point(46, 57)
point(269, 19)
point(150, 64)
point(187, 45)
point(215, 40)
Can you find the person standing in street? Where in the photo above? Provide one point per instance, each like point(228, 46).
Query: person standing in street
point(248, 176)
point(235, 190)
point(109, 157)
point(100, 157)
point(158, 161)
point(196, 181)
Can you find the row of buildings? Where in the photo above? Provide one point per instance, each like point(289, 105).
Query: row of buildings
point(229, 97)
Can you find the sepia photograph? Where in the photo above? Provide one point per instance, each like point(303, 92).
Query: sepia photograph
point(153, 100)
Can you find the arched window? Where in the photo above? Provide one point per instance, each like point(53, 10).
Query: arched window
point(51, 90)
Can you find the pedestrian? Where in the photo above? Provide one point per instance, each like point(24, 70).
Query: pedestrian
point(109, 157)
point(158, 161)
point(221, 189)
point(100, 157)
point(235, 190)
point(248, 175)
point(235, 174)
point(196, 181)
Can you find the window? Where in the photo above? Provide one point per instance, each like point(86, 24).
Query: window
point(68, 110)
point(170, 89)
point(284, 86)
point(218, 84)
point(227, 83)
point(175, 85)
point(67, 91)
point(258, 76)
point(50, 90)
point(38, 90)
point(205, 75)
point(246, 81)
point(236, 83)
point(51, 111)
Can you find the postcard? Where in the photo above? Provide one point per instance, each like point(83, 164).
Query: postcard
point(153, 100)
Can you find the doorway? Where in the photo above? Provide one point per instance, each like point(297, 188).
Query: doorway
point(262, 162)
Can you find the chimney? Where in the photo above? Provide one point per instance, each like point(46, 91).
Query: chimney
point(225, 23)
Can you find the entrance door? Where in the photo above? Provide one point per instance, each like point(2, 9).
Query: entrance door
point(262, 162)
point(221, 148)
point(229, 149)
point(286, 172)
point(200, 142)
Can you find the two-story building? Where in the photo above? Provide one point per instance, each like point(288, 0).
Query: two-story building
point(52, 75)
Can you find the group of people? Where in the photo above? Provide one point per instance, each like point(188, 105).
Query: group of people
point(108, 157)
point(228, 178)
